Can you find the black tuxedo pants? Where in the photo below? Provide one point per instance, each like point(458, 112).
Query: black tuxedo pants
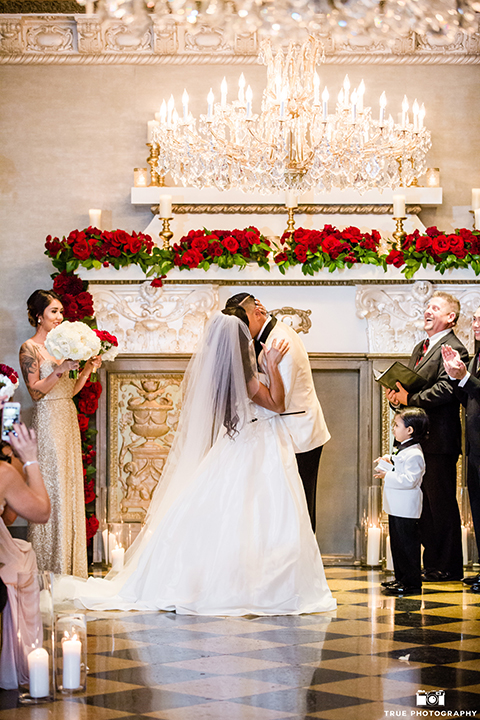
point(440, 528)
point(473, 482)
point(406, 550)
point(308, 463)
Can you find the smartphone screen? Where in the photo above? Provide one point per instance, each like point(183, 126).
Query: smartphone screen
point(10, 417)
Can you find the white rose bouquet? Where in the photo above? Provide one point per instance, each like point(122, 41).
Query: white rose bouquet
point(72, 341)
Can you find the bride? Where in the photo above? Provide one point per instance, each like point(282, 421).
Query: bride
point(227, 531)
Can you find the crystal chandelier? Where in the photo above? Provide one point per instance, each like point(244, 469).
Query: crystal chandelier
point(380, 19)
point(296, 142)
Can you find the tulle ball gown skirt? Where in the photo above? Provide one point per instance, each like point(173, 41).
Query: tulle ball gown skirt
point(236, 541)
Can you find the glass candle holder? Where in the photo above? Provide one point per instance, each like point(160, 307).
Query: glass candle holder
point(432, 177)
point(373, 528)
point(140, 177)
point(70, 653)
point(35, 637)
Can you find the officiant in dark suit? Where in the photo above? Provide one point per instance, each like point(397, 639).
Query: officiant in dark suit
point(303, 414)
point(467, 388)
point(440, 527)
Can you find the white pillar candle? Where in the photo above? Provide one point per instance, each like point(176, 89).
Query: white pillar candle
point(475, 198)
point(465, 544)
point(399, 206)
point(112, 543)
point(72, 653)
point(117, 558)
point(291, 199)
point(95, 218)
point(165, 206)
point(388, 553)
point(109, 543)
point(373, 545)
point(477, 218)
point(38, 673)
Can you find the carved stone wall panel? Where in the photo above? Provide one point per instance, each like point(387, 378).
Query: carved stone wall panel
point(154, 320)
point(394, 314)
point(78, 39)
point(297, 319)
point(143, 421)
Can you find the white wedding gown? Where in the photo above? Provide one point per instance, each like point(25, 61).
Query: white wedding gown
point(237, 541)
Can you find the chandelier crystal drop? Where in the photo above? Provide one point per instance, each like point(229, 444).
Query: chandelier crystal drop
point(386, 20)
point(296, 141)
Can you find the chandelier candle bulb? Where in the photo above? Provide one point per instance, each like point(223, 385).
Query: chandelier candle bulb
point(475, 198)
point(249, 96)
point(325, 97)
point(416, 110)
point(72, 654)
point(224, 90)
point(404, 112)
point(316, 89)
point(241, 89)
point(360, 93)
point(383, 105)
point(346, 89)
point(165, 206)
point(399, 206)
point(38, 673)
point(95, 218)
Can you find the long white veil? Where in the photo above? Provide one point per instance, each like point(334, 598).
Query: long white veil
point(216, 389)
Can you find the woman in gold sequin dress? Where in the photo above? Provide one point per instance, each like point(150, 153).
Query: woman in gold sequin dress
point(60, 544)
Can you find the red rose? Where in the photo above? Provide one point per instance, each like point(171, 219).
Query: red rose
point(82, 250)
point(230, 243)
point(215, 249)
point(53, 245)
point(432, 232)
point(396, 258)
point(440, 244)
point(106, 337)
point(410, 239)
point(422, 243)
point(67, 284)
point(191, 258)
point(92, 387)
point(76, 236)
point(457, 246)
point(475, 245)
point(88, 406)
point(92, 525)
point(83, 423)
point(333, 247)
point(89, 489)
point(281, 257)
point(300, 253)
point(253, 237)
point(133, 245)
point(350, 258)
point(158, 282)
point(199, 243)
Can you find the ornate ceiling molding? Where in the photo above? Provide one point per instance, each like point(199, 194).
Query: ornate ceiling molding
point(183, 209)
point(83, 39)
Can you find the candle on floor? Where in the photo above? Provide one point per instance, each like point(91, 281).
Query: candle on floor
point(388, 555)
point(117, 558)
point(38, 673)
point(373, 545)
point(72, 653)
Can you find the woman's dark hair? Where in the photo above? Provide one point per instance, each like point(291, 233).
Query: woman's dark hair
point(238, 311)
point(417, 419)
point(38, 302)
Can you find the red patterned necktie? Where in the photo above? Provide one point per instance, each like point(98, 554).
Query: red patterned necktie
point(426, 343)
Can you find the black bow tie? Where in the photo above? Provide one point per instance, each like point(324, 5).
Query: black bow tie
point(264, 335)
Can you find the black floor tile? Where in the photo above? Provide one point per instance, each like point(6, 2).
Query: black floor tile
point(144, 700)
point(151, 674)
point(424, 636)
point(416, 619)
point(434, 655)
point(441, 676)
point(301, 702)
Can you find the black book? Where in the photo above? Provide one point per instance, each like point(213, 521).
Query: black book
point(398, 372)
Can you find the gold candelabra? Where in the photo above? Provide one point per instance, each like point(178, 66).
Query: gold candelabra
point(399, 234)
point(473, 213)
point(291, 221)
point(156, 180)
point(166, 233)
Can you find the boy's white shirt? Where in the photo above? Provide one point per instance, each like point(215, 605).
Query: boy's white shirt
point(402, 494)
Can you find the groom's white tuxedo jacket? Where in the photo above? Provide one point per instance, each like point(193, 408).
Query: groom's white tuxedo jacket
point(308, 430)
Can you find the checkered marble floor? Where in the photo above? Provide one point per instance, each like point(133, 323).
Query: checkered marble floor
point(365, 661)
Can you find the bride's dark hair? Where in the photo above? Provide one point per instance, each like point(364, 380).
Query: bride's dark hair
point(38, 302)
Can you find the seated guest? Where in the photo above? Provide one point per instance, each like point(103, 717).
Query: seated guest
point(402, 500)
point(23, 493)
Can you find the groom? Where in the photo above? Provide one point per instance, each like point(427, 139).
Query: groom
point(303, 415)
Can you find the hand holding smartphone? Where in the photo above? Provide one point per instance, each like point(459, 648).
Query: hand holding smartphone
point(10, 417)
